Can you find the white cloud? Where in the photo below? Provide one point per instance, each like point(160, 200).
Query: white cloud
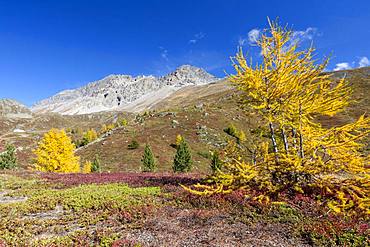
point(307, 34)
point(364, 62)
point(342, 66)
point(253, 35)
point(197, 37)
point(251, 39)
point(164, 53)
point(301, 36)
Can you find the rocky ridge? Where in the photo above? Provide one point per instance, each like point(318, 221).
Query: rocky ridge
point(10, 108)
point(122, 92)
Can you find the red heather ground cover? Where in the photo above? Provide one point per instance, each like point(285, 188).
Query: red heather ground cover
point(236, 205)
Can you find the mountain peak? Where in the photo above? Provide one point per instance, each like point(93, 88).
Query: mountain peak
point(13, 108)
point(12, 102)
point(188, 75)
point(115, 92)
point(187, 67)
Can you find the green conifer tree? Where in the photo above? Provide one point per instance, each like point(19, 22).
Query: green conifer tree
point(216, 163)
point(8, 160)
point(96, 165)
point(148, 160)
point(182, 161)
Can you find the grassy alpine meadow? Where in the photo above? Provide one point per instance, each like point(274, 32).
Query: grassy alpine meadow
point(135, 209)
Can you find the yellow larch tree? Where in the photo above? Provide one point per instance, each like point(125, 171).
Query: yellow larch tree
point(90, 136)
point(289, 90)
point(87, 167)
point(55, 153)
point(106, 128)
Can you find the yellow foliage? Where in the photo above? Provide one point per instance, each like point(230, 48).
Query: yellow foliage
point(90, 135)
point(238, 134)
point(105, 128)
point(179, 139)
point(110, 127)
point(123, 122)
point(241, 136)
point(87, 167)
point(55, 153)
point(288, 89)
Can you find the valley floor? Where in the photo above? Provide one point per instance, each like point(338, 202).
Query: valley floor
point(151, 209)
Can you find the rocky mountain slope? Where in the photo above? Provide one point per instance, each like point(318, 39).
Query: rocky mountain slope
point(13, 109)
point(122, 92)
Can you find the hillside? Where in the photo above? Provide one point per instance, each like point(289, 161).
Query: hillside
point(200, 113)
point(24, 133)
point(200, 120)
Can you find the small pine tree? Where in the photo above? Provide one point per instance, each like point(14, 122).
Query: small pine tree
point(8, 160)
point(148, 160)
point(55, 153)
point(95, 165)
point(216, 163)
point(182, 161)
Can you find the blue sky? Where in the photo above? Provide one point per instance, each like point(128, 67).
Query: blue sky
point(48, 45)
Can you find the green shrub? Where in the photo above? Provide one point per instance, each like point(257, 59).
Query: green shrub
point(8, 159)
point(133, 145)
point(234, 132)
point(95, 165)
point(77, 143)
point(182, 161)
point(123, 122)
point(231, 130)
point(216, 162)
point(148, 160)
